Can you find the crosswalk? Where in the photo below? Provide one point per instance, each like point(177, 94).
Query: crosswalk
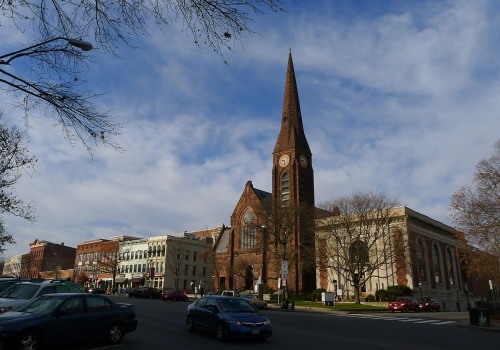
point(433, 322)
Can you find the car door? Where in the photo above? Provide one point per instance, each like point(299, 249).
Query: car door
point(99, 316)
point(65, 322)
point(209, 314)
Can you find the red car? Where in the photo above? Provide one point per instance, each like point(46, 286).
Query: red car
point(404, 304)
point(429, 304)
point(174, 295)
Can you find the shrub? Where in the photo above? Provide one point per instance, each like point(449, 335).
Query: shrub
point(381, 295)
point(398, 291)
point(316, 294)
point(370, 297)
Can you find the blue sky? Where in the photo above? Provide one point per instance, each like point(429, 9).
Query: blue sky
point(401, 97)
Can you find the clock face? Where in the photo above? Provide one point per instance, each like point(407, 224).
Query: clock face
point(284, 160)
point(303, 161)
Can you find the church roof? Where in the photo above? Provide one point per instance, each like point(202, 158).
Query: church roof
point(292, 130)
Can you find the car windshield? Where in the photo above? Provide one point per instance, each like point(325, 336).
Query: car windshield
point(41, 305)
point(234, 305)
point(401, 299)
point(20, 291)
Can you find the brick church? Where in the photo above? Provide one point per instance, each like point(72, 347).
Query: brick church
point(273, 236)
point(271, 229)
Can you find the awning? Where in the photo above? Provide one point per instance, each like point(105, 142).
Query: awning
point(137, 280)
point(121, 279)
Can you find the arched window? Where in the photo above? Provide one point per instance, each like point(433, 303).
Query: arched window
point(436, 263)
point(248, 231)
point(154, 251)
point(285, 189)
point(450, 266)
point(421, 262)
point(358, 252)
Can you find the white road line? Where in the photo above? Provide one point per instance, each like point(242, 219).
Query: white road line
point(444, 322)
point(427, 321)
point(400, 319)
point(411, 319)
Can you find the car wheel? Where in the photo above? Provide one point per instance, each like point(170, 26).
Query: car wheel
point(406, 309)
point(220, 333)
point(190, 325)
point(29, 340)
point(115, 333)
point(265, 308)
point(437, 309)
point(417, 309)
point(175, 299)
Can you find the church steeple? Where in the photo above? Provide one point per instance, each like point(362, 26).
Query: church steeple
point(292, 131)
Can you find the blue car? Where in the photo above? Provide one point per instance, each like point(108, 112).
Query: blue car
point(65, 317)
point(227, 317)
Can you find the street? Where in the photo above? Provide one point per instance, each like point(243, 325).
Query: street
point(161, 326)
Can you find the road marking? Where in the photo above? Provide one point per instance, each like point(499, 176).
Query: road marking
point(444, 322)
point(400, 319)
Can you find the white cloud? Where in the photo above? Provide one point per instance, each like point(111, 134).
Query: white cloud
point(403, 101)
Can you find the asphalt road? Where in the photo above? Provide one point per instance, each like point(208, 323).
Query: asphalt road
point(161, 326)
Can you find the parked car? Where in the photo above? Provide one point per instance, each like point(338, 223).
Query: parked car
point(255, 301)
point(20, 293)
point(6, 282)
point(96, 291)
point(174, 295)
point(227, 317)
point(429, 304)
point(65, 317)
point(404, 304)
point(230, 293)
point(145, 292)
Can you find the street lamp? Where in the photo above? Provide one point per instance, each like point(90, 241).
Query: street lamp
point(81, 44)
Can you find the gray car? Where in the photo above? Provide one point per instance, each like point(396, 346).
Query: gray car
point(255, 301)
point(21, 293)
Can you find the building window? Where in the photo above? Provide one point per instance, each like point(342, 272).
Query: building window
point(436, 263)
point(194, 270)
point(186, 267)
point(248, 231)
point(194, 255)
point(248, 237)
point(449, 263)
point(285, 190)
point(422, 275)
point(187, 255)
point(204, 271)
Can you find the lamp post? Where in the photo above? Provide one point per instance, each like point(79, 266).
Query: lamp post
point(81, 44)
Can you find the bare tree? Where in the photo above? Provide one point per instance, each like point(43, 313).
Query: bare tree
point(475, 210)
point(27, 266)
point(358, 241)
point(14, 161)
point(53, 52)
point(281, 242)
point(109, 259)
point(175, 258)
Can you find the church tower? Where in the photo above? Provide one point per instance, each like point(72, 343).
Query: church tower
point(293, 182)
